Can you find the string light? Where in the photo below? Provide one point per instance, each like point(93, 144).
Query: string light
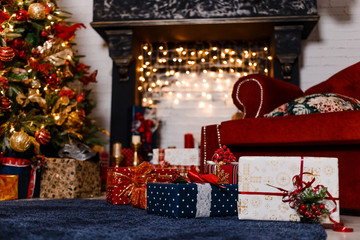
point(180, 69)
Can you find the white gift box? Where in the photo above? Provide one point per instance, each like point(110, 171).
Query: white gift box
point(257, 200)
point(178, 156)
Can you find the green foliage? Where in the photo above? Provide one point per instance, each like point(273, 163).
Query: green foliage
point(38, 82)
point(310, 196)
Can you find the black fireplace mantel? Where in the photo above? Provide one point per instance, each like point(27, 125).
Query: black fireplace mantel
point(125, 24)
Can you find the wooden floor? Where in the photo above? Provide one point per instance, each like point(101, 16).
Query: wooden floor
point(349, 221)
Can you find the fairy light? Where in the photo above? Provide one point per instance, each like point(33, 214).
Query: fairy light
point(181, 70)
point(150, 101)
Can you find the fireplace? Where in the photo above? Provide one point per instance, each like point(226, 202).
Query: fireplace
point(127, 25)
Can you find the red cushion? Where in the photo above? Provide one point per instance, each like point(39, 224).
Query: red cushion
point(317, 128)
point(257, 94)
point(345, 82)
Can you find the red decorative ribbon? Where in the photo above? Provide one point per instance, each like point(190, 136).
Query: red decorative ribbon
point(136, 181)
point(292, 197)
point(196, 177)
point(19, 162)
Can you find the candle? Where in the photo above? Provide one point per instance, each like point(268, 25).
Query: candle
point(135, 139)
point(117, 147)
point(189, 140)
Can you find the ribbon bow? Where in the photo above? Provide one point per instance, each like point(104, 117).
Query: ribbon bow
point(136, 181)
point(293, 197)
point(196, 177)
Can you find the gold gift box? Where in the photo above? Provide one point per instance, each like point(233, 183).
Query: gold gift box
point(9, 187)
point(70, 178)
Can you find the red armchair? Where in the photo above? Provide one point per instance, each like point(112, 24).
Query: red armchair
point(334, 134)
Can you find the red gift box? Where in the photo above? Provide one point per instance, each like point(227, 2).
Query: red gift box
point(228, 173)
point(127, 185)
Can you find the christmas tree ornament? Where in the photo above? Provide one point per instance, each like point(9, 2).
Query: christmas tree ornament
point(74, 121)
point(43, 136)
point(81, 97)
point(50, 5)
point(22, 15)
point(5, 103)
point(52, 80)
point(81, 113)
point(35, 83)
point(20, 141)
point(6, 54)
point(37, 11)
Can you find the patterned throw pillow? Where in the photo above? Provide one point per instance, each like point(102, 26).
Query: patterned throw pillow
point(316, 103)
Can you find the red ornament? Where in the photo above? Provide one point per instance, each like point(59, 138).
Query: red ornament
point(303, 207)
point(19, 43)
point(22, 15)
point(81, 97)
point(52, 80)
point(314, 207)
point(5, 103)
point(81, 114)
point(322, 206)
point(4, 82)
point(6, 54)
point(44, 33)
point(43, 136)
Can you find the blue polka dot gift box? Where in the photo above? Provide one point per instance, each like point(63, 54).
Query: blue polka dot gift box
point(190, 200)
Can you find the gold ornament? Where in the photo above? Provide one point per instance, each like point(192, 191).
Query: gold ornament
point(74, 120)
point(20, 141)
point(35, 83)
point(37, 11)
point(51, 5)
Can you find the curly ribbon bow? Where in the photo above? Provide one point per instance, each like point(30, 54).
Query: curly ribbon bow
point(292, 196)
point(196, 177)
point(18, 162)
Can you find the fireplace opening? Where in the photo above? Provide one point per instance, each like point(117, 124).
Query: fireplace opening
point(189, 84)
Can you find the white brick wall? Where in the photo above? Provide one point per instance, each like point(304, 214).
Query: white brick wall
point(333, 45)
point(89, 43)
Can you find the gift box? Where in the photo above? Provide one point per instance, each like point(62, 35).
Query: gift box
point(190, 200)
point(127, 185)
point(8, 187)
point(262, 178)
point(177, 156)
point(227, 173)
point(70, 178)
point(28, 175)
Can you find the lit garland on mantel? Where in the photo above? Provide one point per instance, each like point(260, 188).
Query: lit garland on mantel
point(178, 71)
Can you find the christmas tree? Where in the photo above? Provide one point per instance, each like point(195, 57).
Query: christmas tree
point(44, 87)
